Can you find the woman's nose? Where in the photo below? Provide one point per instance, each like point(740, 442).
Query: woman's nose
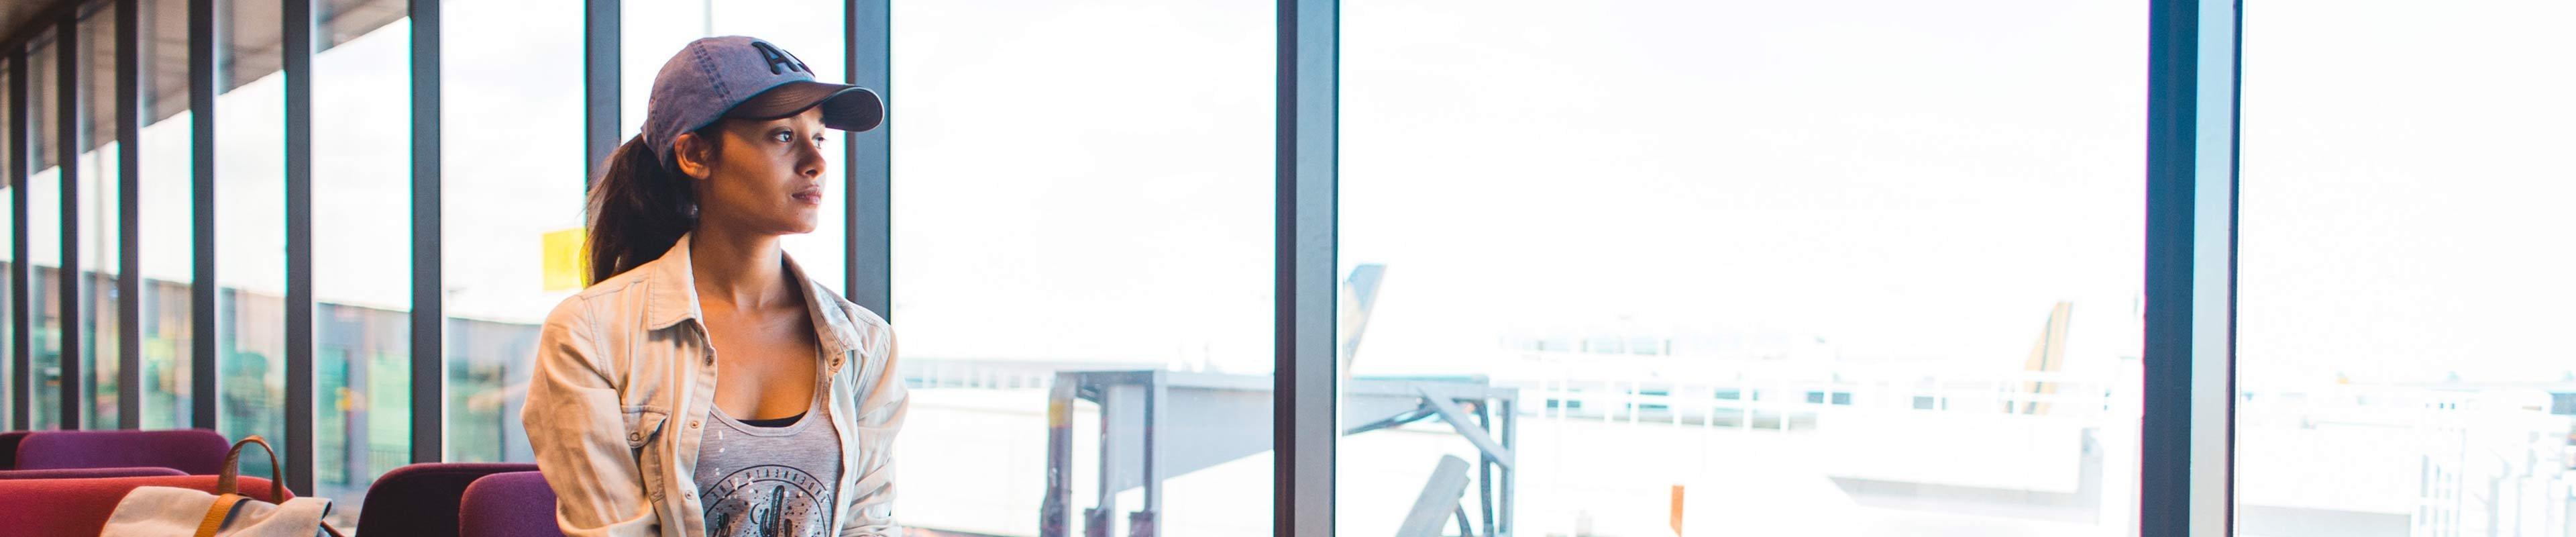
point(809, 162)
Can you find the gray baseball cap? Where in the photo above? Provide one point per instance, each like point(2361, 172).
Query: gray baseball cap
point(745, 78)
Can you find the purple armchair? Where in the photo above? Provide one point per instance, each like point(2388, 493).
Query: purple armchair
point(9, 448)
point(422, 500)
point(194, 451)
point(515, 504)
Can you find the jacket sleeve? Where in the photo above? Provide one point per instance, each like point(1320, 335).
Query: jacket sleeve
point(881, 412)
point(577, 429)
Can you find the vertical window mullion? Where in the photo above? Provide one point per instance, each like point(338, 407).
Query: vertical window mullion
point(2188, 427)
point(68, 102)
point(1304, 431)
point(428, 314)
point(298, 30)
point(129, 205)
point(869, 163)
point(202, 76)
point(2213, 430)
point(600, 42)
point(21, 309)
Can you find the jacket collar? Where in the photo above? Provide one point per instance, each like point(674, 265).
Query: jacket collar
point(672, 296)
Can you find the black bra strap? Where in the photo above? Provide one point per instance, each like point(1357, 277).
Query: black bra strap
point(774, 422)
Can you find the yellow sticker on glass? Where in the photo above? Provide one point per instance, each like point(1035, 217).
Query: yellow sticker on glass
point(563, 259)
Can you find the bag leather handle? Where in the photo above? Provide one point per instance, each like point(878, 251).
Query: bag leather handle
point(215, 515)
point(227, 482)
point(228, 487)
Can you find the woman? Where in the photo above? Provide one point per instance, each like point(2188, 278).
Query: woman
point(702, 385)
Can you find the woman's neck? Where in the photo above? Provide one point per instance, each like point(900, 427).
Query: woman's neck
point(743, 271)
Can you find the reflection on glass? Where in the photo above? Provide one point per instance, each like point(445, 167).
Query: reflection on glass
point(1740, 268)
point(8, 253)
point(362, 257)
point(98, 197)
point(1084, 188)
point(44, 231)
point(168, 216)
point(2402, 359)
point(513, 180)
point(250, 220)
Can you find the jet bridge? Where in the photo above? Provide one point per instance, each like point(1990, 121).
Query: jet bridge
point(1155, 425)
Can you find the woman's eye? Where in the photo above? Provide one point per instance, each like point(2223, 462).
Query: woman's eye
point(783, 136)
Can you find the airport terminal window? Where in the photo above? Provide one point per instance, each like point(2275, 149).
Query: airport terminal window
point(1879, 271)
point(8, 248)
point(45, 235)
point(513, 176)
point(2402, 347)
point(100, 243)
point(1084, 187)
point(1881, 276)
point(250, 223)
point(168, 216)
point(362, 255)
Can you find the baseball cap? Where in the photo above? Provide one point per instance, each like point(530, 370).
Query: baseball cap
point(745, 78)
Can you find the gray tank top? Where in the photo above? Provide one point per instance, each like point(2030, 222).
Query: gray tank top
point(770, 481)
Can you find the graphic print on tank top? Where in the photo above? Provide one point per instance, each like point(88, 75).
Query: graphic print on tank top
point(768, 500)
point(772, 478)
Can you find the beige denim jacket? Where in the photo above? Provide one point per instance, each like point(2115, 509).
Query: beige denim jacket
point(624, 382)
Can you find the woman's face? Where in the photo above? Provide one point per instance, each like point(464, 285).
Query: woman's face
point(762, 176)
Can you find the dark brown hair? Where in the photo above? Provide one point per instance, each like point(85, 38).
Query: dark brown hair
point(639, 207)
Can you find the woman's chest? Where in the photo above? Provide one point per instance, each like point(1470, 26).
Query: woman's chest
point(764, 369)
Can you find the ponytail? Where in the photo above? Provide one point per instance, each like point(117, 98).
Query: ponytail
point(638, 209)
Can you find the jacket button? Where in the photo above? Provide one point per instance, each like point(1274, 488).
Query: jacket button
point(693, 424)
point(635, 437)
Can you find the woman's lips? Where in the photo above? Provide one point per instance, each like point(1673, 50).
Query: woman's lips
point(811, 196)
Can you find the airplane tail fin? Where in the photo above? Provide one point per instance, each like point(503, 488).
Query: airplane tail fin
point(2048, 355)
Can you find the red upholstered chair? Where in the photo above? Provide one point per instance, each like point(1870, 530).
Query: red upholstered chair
point(76, 473)
point(81, 506)
point(421, 500)
point(194, 451)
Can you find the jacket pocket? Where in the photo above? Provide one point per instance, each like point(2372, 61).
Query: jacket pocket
point(644, 425)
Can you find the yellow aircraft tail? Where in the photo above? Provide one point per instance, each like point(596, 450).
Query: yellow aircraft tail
point(2048, 355)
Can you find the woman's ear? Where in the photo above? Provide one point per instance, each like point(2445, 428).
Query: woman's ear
point(692, 154)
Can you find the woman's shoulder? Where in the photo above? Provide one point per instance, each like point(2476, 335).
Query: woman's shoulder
point(860, 315)
point(604, 305)
point(861, 320)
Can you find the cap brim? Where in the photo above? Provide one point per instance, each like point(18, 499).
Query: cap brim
point(845, 107)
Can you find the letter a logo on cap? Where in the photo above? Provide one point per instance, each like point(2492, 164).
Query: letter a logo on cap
point(780, 62)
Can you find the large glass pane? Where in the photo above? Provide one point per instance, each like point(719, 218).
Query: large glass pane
point(362, 270)
point(8, 251)
point(100, 239)
point(1083, 201)
point(2402, 354)
point(1859, 267)
point(250, 220)
point(45, 235)
point(513, 176)
point(168, 218)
